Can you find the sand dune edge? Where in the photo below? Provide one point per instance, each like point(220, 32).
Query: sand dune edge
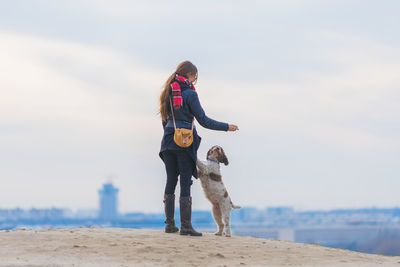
point(144, 247)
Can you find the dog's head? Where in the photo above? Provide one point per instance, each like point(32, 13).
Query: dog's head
point(218, 154)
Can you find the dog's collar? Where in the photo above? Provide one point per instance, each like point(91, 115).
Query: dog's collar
point(213, 160)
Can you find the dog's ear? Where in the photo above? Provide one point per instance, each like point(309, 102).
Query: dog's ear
point(223, 157)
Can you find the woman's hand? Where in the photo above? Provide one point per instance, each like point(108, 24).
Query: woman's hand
point(233, 128)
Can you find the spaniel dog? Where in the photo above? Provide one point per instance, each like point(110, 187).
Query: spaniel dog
point(214, 189)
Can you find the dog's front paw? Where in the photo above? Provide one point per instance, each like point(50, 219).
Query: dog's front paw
point(218, 233)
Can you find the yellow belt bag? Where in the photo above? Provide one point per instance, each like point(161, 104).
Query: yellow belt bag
point(182, 137)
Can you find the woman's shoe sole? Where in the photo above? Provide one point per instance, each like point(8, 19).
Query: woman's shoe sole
point(189, 234)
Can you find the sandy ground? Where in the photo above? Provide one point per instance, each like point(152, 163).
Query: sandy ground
point(131, 247)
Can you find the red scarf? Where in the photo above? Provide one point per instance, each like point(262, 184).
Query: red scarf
point(176, 90)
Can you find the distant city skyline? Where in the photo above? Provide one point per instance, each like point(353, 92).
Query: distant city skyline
point(312, 85)
point(366, 230)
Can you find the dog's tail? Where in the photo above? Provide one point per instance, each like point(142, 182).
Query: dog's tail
point(235, 206)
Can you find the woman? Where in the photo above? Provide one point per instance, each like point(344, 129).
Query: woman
point(179, 94)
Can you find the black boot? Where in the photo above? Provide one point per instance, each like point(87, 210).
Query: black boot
point(185, 205)
point(169, 208)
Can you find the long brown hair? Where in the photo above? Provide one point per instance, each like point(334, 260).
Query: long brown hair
point(185, 69)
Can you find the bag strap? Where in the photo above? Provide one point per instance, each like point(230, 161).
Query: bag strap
point(173, 117)
point(172, 110)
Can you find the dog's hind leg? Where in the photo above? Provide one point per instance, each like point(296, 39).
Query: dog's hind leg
point(216, 211)
point(226, 216)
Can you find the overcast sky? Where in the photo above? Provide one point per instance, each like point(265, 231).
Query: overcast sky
point(313, 85)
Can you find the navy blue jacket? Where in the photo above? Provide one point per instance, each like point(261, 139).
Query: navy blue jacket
point(183, 117)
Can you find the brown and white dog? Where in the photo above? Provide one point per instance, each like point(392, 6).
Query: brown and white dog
point(214, 189)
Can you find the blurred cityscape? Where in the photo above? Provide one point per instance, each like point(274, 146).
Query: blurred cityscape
point(370, 230)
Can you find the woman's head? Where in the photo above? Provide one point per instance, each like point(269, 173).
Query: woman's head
point(186, 69)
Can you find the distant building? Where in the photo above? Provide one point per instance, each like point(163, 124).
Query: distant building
point(108, 202)
point(249, 214)
point(279, 211)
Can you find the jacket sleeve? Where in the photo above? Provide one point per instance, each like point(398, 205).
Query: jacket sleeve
point(201, 116)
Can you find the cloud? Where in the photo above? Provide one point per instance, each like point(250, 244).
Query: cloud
point(311, 93)
point(65, 103)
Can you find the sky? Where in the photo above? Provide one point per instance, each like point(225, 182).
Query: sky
point(314, 87)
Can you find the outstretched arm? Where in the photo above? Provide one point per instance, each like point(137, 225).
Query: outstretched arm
point(201, 116)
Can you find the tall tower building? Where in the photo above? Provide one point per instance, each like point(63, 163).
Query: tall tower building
point(108, 202)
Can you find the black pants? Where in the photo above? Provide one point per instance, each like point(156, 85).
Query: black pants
point(178, 162)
